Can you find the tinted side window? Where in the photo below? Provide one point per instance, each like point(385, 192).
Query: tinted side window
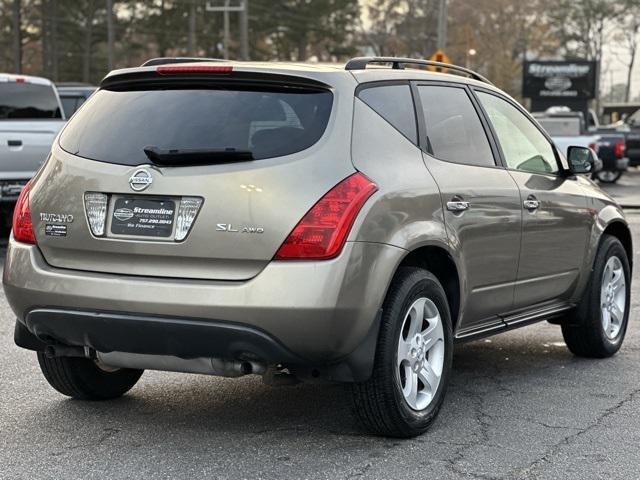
point(453, 128)
point(395, 104)
point(524, 146)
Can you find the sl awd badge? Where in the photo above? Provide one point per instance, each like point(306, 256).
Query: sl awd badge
point(229, 228)
point(140, 180)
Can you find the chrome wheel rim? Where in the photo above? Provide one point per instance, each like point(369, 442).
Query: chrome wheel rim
point(420, 354)
point(607, 175)
point(613, 297)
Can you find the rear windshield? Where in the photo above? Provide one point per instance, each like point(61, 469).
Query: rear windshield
point(28, 101)
point(116, 126)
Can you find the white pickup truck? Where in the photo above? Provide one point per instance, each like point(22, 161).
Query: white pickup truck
point(568, 129)
point(30, 118)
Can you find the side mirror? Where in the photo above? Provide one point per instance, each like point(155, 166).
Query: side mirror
point(581, 160)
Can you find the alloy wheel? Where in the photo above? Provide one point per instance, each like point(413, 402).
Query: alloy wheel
point(613, 297)
point(420, 354)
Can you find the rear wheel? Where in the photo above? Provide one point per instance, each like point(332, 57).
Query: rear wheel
point(413, 358)
point(598, 326)
point(85, 379)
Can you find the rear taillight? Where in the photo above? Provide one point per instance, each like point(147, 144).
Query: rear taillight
point(196, 69)
point(322, 232)
point(619, 149)
point(594, 147)
point(22, 226)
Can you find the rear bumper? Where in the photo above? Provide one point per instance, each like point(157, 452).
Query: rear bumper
point(154, 335)
point(622, 164)
point(318, 312)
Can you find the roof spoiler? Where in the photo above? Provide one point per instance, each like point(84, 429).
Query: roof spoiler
point(398, 63)
point(169, 60)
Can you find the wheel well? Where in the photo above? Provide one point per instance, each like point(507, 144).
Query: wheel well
point(440, 263)
point(622, 233)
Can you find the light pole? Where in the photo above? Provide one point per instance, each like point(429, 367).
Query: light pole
point(470, 53)
point(442, 25)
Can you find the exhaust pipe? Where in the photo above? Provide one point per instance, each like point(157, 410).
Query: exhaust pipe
point(206, 366)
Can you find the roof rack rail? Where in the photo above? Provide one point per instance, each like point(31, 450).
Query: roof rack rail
point(167, 60)
point(397, 63)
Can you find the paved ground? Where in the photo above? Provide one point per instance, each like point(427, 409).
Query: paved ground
point(627, 190)
point(520, 406)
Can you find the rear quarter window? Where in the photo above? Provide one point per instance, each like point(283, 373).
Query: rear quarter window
point(394, 103)
point(116, 126)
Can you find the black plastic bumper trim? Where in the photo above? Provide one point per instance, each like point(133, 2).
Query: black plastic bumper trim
point(180, 337)
point(185, 338)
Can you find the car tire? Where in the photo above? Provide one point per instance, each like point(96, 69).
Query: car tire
point(84, 379)
point(597, 327)
point(608, 176)
point(395, 401)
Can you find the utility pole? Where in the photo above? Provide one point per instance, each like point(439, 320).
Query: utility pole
point(226, 7)
point(54, 40)
point(191, 48)
point(226, 29)
point(110, 35)
point(244, 31)
point(442, 25)
point(17, 36)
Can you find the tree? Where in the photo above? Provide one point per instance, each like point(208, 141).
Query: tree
point(403, 27)
point(300, 29)
point(503, 34)
point(581, 25)
point(627, 37)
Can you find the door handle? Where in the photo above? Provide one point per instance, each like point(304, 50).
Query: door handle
point(531, 204)
point(458, 206)
point(14, 143)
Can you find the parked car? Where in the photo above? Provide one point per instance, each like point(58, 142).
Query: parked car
point(612, 152)
point(30, 118)
point(567, 128)
point(73, 96)
point(630, 128)
point(308, 223)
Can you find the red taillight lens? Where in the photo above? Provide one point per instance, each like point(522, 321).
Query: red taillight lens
point(619, 149)
point(594, 147)
point(194, 69)
point(321, 233)
point(22, 226)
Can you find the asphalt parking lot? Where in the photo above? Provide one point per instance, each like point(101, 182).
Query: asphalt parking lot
point(519, 406)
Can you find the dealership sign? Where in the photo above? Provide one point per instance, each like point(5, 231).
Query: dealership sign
point(559, 79)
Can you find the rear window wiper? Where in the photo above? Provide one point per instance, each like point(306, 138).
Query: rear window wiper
point(192, 157)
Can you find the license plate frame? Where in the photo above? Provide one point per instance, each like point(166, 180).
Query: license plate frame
point(142, 217)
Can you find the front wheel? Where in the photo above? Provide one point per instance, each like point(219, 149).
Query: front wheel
point(597, 327)
point(413, 358)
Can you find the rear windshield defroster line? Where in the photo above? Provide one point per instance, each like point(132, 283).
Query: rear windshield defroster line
point(116, 126)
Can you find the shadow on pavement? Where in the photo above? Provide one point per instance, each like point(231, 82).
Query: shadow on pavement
point(195, 403)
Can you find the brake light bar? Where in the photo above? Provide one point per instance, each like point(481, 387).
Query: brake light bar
point(193, 69)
